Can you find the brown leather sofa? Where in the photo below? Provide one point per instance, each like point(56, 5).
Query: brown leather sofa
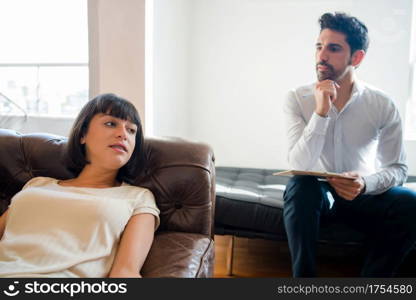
point(181, 175)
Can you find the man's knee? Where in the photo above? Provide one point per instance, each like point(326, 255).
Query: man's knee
point(302, 183)
point(404, 198)
point(404, 207)
point(303, 188)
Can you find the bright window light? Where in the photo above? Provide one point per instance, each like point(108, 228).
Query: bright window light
point(43, 57)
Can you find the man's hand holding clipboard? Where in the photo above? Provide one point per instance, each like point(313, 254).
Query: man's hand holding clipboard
point(347, 185)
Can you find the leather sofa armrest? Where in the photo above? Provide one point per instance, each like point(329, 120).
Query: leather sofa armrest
point(180, 255)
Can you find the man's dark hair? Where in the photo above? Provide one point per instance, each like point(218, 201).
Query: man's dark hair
point(356, 33)
point(115, 106)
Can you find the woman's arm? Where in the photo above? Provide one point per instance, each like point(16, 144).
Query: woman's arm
point(3, 223)
point(134, 246)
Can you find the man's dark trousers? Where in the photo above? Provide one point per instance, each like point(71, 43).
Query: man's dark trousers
point(389, 220)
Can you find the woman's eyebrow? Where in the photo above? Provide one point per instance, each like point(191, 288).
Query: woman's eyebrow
point(113, 117)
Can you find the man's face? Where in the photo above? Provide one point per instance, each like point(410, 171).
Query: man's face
point(333, 55)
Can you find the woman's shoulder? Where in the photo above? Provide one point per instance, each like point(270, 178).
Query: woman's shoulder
point(136, 191)
point(39, 181)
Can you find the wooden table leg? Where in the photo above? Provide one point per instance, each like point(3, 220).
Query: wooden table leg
point(230, 256)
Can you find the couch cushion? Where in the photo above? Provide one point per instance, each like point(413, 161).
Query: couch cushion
point(250, 200)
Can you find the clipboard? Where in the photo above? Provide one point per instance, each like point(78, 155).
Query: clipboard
point(312, 173)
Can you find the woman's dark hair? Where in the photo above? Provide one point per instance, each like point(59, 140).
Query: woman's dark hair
point(115, 106)
point(355, 31)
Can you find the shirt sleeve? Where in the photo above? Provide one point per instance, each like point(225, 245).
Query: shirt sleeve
point(390, 154)
point(306, 139)
point(31, 182)
point(146, 204)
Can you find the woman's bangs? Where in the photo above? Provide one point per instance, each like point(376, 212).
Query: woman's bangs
point(120, 109)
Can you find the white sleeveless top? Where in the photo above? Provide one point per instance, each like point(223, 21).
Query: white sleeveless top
point(60, 231)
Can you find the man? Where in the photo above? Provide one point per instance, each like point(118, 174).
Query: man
point(342, 125)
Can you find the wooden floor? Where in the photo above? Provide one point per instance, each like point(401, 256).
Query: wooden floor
point(264, 258)
point(251, 258)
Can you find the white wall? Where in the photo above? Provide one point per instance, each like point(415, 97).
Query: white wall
point(410, 147)
point(171, 50)
point(244, 55)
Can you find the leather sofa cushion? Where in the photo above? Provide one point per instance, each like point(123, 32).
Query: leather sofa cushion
point(249, 201)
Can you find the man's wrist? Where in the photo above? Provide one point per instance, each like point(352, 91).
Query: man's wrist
point(321, 114)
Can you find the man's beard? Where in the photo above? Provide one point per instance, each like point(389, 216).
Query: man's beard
point(329, 73)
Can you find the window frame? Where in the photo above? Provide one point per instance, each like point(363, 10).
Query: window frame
point(38, 66)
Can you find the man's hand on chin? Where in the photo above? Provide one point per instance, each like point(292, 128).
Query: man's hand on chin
point(347, 188)
point(325, 93)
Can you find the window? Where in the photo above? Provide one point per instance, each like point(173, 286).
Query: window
point(410, 127)
point(43, 57)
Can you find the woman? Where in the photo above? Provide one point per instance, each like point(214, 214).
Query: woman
point(95, 224)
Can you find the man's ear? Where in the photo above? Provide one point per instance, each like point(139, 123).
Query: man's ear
point(357, 58)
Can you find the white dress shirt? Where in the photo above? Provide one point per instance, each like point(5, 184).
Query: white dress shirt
point(365, 136)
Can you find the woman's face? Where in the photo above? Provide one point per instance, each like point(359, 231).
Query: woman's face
point(109, 141)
